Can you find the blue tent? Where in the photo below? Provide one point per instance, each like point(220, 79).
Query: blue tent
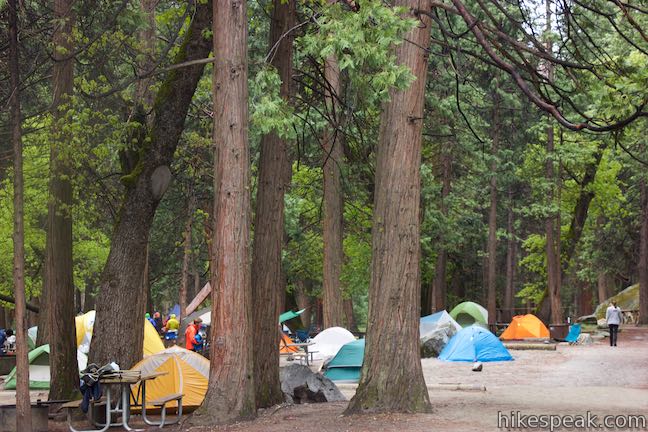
point(347, 363)
point(475, 343)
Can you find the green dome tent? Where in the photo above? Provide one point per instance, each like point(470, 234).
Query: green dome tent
point(469, 313)
point(39, 369)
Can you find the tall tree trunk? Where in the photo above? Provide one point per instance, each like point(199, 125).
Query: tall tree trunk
point(23, 404)
point(63, 360)
point(509, 291)
point(274, 179)
point(89, 299)
point(437, 298)
point(552, 224)
point(42, 337)
point(333, 200)
point(186, 255)
point(230, 395)
point(602, 287)
point(349, 315)
point(117, 337)
point(491, 302)
point(392, 378)
point(303, 302)
point(143, 93)
point(643, 255)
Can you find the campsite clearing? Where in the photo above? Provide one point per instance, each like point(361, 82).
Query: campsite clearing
point(570, 380)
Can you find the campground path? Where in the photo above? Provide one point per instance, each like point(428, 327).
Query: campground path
point(571, 380)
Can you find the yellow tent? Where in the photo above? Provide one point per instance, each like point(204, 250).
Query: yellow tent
point(85, 324)
point(186, 372)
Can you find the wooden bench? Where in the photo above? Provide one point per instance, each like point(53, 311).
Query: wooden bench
point(76, 404)
point(161, 403)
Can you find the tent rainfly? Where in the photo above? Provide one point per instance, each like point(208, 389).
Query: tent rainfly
point(469, 313)
point(347, 363)
point(39, 370)
point(473, 344)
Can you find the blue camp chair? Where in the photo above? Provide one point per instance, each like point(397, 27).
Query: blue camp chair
point(574, 332)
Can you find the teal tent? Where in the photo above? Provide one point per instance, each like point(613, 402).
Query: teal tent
point(347, 363)
point(473, 344)
point(469, 313)
point(286, 316)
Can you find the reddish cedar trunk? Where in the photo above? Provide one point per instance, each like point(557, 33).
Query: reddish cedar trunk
point(120, 306)
point(23, 405)
point(333, 201)
point(63, 364)
point(509, 291)
point(491, 302)
point(437, 298)
point(230, 395)
point(274, 179)
point(186, 256)
point(392, 378)
point(643, 255)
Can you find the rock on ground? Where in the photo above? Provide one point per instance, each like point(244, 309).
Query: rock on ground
point(301, 385)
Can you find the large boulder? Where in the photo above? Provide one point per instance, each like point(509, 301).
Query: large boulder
point(628, 299)
point(300, 385)
point(433, 342)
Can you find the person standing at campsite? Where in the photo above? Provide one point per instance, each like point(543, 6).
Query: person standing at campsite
point(149, 319)
point(157, 322)
point(190, 334)
point(614, 318)
point(171, 330)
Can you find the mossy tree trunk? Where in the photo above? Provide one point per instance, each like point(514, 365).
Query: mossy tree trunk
point(60, 293)
point(118, 329)
point(392, 378)
point(230, 396)
point(274, 179)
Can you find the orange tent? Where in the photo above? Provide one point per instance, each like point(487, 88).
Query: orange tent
point(525, 327)
point(283, 345)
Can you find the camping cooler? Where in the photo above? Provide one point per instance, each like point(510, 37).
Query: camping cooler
point(558, 331)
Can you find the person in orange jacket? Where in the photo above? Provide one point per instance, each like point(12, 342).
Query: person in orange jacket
point(190, 334)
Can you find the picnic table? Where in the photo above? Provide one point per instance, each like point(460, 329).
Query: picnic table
point(119, 414)
point(304, 346)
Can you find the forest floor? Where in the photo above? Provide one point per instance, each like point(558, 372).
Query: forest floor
point(573, 380)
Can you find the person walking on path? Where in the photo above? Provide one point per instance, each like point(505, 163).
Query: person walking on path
point(613, 317)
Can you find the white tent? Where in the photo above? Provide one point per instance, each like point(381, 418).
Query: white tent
point(430, 323)
point(328, 342)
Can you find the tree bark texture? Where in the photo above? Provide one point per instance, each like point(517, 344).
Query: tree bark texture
point(392, 378)
point(143, 93)
point(491, 302)
point(552, 238)
point(117, 337)
point(333, 200)
point(186, 255)
point(509, 290)
point(230, 395)
point(23, 404)
point(437, 299)
point(60, 294)
point(643, 255)
point(273, 181)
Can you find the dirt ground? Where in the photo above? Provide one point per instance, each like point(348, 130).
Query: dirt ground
point(571, 380)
